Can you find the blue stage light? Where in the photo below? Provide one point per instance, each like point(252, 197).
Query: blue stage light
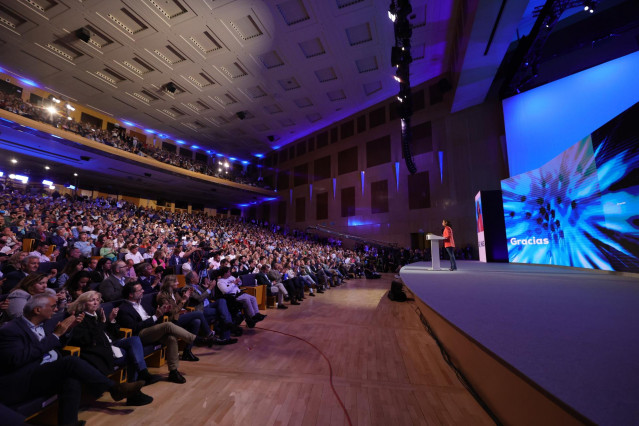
point(28, 82)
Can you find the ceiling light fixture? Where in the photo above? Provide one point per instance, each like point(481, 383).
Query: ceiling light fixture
point(21, 178)
point(392, 11)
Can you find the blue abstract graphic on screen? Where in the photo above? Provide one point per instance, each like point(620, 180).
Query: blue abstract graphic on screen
point(582, 207)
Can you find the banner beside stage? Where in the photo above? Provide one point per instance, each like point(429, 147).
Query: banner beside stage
point(491, 235)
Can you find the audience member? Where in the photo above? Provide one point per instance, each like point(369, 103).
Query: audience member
point(151, 328)
point(99, 346)
point(31, 366)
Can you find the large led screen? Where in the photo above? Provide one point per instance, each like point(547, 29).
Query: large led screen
point(581, 208)
point(543, 122)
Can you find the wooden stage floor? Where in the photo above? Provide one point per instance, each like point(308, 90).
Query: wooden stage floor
point(386, 369)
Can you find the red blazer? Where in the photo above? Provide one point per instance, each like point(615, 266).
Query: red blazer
point(449, 241)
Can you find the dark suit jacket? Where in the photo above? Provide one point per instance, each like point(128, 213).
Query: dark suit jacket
point(111, 289)
point(90, 336)
point(20, 354)
point(262, 279)
point(58, 241)
point(13, 278)
point(197, 299)
point(128, 317)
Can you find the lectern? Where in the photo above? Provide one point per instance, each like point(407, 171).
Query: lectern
point(434, 250)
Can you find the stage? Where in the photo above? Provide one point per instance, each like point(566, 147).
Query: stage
point(571, 332)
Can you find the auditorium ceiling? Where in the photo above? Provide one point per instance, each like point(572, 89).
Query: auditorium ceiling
point(244, 71)
point(253, 75)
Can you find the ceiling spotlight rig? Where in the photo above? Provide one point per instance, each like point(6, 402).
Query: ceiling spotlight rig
point(590, 6)
point(401, 58)
point(525, 61)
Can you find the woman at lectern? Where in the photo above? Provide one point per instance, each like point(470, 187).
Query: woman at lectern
point(449, 243)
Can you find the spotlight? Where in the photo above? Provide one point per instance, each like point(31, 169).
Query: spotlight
point(171, 87)
point(70, 107)
point(47, 182)
point(47, 167)
point(52, 110)
point(75, 174)
point(392, 11)
point(14, 161)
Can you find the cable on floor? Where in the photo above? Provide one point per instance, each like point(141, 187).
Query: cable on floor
point(460, 376)
point(330, 368)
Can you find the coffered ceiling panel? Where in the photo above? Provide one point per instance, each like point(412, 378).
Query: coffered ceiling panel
point(247, 74)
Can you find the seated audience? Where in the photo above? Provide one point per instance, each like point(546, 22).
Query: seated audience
point(150, 327)
point(134, 255)
point(13, 262)
point(28, 265)
point(28, 287)
point(76, 285)
point(215, 311)
point(173, 301)
point(73, 265)
point(107, 250)
point(228, 285)
point(41, 252)
point(31, 366)
point(111, 287)
point(147, 277)
point(99, 346)
point(84, 244)
point(102, 270)
point(276, 288)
